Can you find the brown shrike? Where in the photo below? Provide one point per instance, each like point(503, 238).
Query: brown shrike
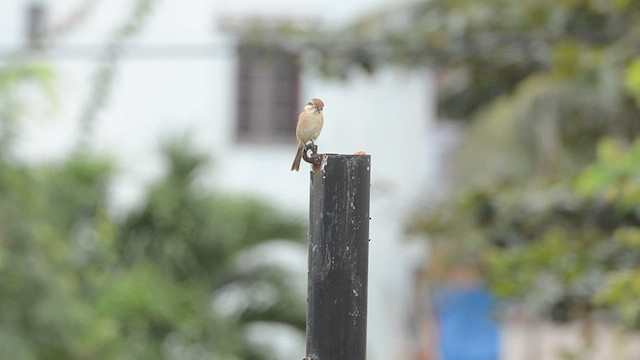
point(308, 129)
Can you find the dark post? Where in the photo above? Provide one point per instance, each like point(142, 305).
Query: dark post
point(338, 258)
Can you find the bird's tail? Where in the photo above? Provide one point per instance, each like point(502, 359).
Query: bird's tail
point(296, 160)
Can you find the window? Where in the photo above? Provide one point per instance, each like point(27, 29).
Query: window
point(267, 97)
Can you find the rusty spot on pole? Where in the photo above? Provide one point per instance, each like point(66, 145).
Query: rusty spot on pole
point(315, 159)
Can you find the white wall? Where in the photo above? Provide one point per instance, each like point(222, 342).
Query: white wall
point(546, 341)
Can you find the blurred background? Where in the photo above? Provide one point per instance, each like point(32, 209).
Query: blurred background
point(147, 210)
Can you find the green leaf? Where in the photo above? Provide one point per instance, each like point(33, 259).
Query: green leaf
point(633, 80)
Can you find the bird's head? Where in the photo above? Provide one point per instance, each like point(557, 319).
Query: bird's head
point(315, 105)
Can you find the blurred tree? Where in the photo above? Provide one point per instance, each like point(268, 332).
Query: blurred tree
point(167, 281)
point(481, 49)
point(15, 78)
point(54, 254)
point(104, 76)
point(520, 217)
point(195, 241)
point(78, 284)
point(541, 83)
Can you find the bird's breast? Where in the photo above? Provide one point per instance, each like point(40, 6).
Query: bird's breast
point(309, 126)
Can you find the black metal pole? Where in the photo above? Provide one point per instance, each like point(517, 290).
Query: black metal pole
point(338, 258)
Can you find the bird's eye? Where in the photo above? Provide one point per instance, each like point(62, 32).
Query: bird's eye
point(309, 103)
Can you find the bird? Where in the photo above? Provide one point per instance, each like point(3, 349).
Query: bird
point(308, 129)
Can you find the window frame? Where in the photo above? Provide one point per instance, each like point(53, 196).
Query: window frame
point(267, 96)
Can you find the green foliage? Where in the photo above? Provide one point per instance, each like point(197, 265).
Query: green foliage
point(615, 176)
point(15, 78)
point(622, 292)
point(77, 284)
point(547, 182)
point(51, 255)
point(633, 79)
point(191, 236)
point(482, 49)
point(568, 248)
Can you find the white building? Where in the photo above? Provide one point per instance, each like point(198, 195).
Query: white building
point(179, 74)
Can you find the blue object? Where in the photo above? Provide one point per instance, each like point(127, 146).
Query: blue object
point(468, 329)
